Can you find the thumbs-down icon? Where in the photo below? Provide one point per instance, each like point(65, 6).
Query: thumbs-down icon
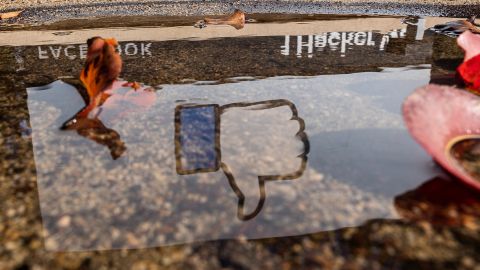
point(252, 143)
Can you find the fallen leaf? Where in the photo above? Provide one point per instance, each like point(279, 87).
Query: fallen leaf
point(236, 20)
point(455, 28)
point(9, 15)
point(108, 98)
point(101, 69)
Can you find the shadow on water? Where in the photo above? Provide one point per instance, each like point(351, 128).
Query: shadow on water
point(202, 154)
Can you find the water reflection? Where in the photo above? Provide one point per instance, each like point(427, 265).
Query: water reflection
point(95, 130)
point(197, 138)
point(174, 182)
point(197, 159)
point(197, 145)
point(121, 100)
point(441, 201)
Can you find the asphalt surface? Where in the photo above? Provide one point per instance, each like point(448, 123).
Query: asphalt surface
point(48, 11)
point(432, 233)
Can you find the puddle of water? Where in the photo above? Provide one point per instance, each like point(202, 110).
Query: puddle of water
point(269, 131)
point(232, 165)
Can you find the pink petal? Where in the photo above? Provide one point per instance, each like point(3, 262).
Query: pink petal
point(142, 97)
point(119, 103)
point(435, 115)
point(470, 43)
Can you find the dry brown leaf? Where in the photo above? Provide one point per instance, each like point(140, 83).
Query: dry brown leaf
point(236, 19)
point(8, 15)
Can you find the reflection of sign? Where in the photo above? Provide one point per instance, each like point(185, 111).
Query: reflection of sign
point(197, 147)
point(338, 41)
point(80, 51)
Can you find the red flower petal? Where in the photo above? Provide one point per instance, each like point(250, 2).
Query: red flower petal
point(469, 70)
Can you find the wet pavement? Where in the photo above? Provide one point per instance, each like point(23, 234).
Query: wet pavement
point(280, 145)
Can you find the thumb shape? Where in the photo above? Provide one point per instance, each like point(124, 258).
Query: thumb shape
point(249, 190)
